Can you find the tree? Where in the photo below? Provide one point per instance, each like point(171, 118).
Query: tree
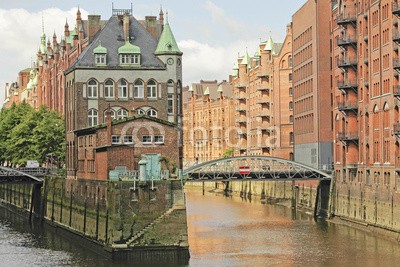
point(229, 152)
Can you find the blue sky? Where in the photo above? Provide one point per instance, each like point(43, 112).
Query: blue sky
point(211, 33)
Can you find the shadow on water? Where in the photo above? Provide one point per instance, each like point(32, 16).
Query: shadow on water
point(38, 244)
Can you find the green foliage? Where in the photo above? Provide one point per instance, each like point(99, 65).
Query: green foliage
point(26, 134)
point(229, 152)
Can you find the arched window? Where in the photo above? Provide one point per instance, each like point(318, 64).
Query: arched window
point(92, 89)
point(170, 88)
point(109, 89)
point(140, 111)
point(152, 113)
point(122, 89)
point(151, 89)
point(290, 60)
point(139, 88)
point(112, 114)
point(92, 117)
point(122, 114)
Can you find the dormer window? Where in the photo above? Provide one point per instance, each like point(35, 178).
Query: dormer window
point(129, 55)
point(100, 55)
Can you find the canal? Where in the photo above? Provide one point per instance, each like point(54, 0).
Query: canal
point(223, 231)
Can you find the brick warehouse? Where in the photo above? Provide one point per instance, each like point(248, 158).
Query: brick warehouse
point(365, 38)
point(263, 92)
point(125, 72)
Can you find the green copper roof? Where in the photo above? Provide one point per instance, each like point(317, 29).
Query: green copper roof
point(190, 88)
point(220, 89)
point(167, 43)
point(207, 91)
point(128, 48)
point(236, 65)
point(101, 49)
point(270, 45)
point(246, 60)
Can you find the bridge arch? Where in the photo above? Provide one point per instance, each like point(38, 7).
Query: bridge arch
point(253, 168)
point(9, 175)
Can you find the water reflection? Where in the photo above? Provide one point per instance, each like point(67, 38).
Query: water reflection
point(235, 232)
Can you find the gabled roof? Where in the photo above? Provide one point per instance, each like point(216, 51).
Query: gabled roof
point(112, 38)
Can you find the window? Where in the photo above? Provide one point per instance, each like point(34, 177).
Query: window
point(152, 113)
point(122, 89)
point(115, 139)
point(290, 77)
point(291, 138)
point(128, 139)
point(109, 89)
point(92, 89)
point(151, 89)
point(100, 59)
point(129, 59)
point(139, 88)
point(290, 59)
point(170, 104)
point(140, 112)
point(291, 119)
point(92, 117)
point(159, 139)
point(290, 91)
point(290, 105)
point(112, 114)
point(122, 114)
point(147, 139)
point(91, 166)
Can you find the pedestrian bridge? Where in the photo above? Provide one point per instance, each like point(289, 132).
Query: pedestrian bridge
point(252, 168)
point(22, 175)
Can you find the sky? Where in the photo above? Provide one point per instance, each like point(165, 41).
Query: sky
point(210, 33)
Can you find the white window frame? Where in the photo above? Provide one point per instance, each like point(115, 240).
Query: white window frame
point(108, 89)
point(127, 139)
point(112, 115)
point(152, 113)
point(92, 89)
point(100, 59)
point(170, 104)
point(147, 142)
point(139, 89)
point(151, 89)
point(115, 139)
point(126, 59)
point(122, 114)
point(122, 89)
point(158, 142)
point(93, 117)
point(140, 112)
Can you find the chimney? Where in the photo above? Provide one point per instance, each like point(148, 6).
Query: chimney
point(126, 20)
point(151, 26)
point(94, 26)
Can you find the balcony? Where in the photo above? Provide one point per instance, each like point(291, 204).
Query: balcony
point(240, 86)
point(348, 85)
point(263, 74)
point(347, 106)
point(396, 36)
point(262, 101)
point(396, 90)
point(343, 19)
point(347, 62)
point(348, 136)
point(263, 113)
point(346, 40)
point(240, 97)
point(396, 129)
point(241, 120)
point(395, 8)
point(240, 108)
point(263, 88)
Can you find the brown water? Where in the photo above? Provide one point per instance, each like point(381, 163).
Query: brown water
point(223, 231)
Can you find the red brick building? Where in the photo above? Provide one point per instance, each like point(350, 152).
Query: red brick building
point(313, 133)
point(125, 71)
point(124, 143)
point(263, 92)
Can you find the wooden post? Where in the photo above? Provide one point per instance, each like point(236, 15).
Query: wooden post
point(97, 212)
point(70, 205)
point(84, 211)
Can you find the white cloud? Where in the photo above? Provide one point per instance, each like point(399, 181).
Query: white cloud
point(21, 31)
point(218, 15)
point(202, 61)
